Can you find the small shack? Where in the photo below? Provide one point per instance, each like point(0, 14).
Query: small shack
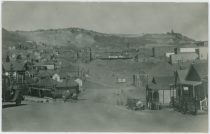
point(159, 91)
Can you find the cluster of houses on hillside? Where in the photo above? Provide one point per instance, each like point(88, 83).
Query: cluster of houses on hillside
point(40, 71)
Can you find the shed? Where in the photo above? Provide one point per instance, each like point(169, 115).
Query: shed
point(160, 88)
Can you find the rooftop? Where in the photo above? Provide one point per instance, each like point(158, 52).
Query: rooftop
point(162, 69)
point(181, 74)
point(202, 69)
point(161, 83)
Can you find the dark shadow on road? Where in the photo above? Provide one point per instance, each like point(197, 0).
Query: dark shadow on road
point(11, 105)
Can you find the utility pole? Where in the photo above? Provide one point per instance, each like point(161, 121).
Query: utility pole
point(90, 54)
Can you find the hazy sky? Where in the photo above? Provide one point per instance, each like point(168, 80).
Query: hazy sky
point(190, 19)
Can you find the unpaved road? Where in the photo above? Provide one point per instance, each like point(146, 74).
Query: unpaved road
point(91, 114)
point(86, 116)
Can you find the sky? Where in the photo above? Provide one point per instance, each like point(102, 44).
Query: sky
point(190, 19)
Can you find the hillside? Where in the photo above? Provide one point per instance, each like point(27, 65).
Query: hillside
point(10, 38)
point(80, 38)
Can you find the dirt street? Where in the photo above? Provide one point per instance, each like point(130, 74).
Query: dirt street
point(94, 114)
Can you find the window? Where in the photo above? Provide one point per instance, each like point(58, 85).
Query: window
point(186, 88)
point(186, 91)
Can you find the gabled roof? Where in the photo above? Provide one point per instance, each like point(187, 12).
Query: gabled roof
point(202, 69)
point(182, 74)
point(196, 72)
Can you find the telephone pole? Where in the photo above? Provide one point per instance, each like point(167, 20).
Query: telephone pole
point(90, 54)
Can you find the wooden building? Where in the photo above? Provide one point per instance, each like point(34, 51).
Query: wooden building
point(159, 91)
point(191, 87)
